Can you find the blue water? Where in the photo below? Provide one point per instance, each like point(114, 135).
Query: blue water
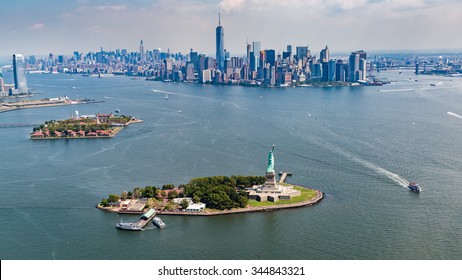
point(360, 146)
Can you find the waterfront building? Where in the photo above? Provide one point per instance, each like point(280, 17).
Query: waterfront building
point(206, 76)
point(270, 57)
point(353, 67)
point(190, 72)
point(19, 67)
point(362, 69)
point(210, 63)
point(194, 59)
point(220, 45)
point(324, 71)
point(248, 50)
point(331, 70)
point(2, 88)
point(341, 71)
point(324, 54)
point(301, 52)
point(256, 53)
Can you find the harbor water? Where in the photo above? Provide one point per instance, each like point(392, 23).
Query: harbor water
point(361, 146)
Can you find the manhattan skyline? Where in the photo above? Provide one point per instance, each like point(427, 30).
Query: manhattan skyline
point(31, 27)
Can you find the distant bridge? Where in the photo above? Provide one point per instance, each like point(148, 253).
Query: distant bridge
point(7, 125)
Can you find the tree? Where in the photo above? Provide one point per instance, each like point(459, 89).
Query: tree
point(104, 203)
point(124, 195)
point(113, 198)
point(184, 204)
point(196, 199)
point(172, 194)
point(168, 187)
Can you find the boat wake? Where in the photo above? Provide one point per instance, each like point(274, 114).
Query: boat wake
point(454, 115)
point(380, 170)
point(162, 91)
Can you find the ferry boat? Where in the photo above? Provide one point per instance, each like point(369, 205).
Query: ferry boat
point(158, 222)
point(128, 226)
point(140, 224)
point(413, 186)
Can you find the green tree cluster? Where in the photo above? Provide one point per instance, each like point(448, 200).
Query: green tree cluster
point(221, 192)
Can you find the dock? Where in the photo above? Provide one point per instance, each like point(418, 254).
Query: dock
point(284, 176)
point(140, 224)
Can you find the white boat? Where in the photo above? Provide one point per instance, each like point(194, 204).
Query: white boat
point(129, 226)
point(158, 222)
point(166, 96)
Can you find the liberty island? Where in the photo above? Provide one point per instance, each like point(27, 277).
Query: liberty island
point(188, 200)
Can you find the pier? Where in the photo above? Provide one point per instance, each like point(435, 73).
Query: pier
point(140, 224)
point(284, 176)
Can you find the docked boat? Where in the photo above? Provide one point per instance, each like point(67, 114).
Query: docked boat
point(158, 222)
point(140, 224)
point(128, 226)
point(413, 186)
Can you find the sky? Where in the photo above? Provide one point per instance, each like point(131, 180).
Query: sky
point(41, 27)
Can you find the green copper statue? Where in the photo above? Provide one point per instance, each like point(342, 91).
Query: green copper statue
point(270, 168)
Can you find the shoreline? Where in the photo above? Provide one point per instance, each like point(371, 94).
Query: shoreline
point(249, 209)
point(31, 104)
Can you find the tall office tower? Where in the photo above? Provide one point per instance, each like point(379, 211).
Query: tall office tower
point(302, 52)
point(271, 57)
point(324, 55)
point(353, 67)
point(220, 39)
point(142, 54)
point(325, 71)
point(19, 67)
point(362, 69)
point(341, 70)
point(256, 53)
point(194, 58)
point(289, 48)
point(331, 70)
point(249, 50)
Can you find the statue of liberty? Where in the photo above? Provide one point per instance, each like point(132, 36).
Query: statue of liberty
point(270, 168)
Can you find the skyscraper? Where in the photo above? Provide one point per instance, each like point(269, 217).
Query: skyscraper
point(220, 38)
point(324, 55)
point(256, 53)
point(353, 65)
point(142, 54)
point(19, 67)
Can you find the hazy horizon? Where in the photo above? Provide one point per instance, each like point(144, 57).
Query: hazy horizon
point(61, 27)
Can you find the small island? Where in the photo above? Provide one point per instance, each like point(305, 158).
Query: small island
point(216, 195)
point(83, 127)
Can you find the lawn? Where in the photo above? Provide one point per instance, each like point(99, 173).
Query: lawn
point(307, 194)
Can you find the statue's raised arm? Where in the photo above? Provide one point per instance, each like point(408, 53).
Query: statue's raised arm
point(270, 168)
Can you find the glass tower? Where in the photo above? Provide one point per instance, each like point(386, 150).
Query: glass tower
point(19, 67)
point(220, 37)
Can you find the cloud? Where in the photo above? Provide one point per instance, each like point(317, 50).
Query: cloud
point(228, 5)
point(111, 7)
point(36, 26)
